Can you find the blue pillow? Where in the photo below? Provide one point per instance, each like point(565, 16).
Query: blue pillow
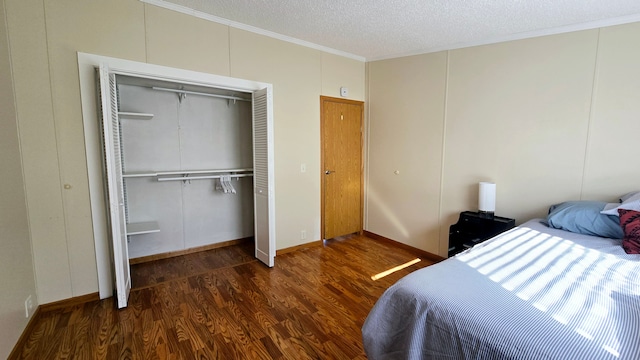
point(584, 217)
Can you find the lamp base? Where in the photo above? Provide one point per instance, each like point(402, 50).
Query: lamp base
point(486, 214)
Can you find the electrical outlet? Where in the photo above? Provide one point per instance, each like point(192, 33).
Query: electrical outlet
point(303, 234)
point(28, 306)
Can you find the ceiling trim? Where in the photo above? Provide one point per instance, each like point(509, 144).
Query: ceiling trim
point(498, 39)
point(523, 35)
point(237, 25)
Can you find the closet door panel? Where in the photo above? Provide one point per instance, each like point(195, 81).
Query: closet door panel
point(150, 144)
point(215, 133)
point(150, 200)
point(211, 216)
point(245, 136)
point(263, 176)
point(114, 183)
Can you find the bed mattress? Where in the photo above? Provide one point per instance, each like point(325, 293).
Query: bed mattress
point(530, 293)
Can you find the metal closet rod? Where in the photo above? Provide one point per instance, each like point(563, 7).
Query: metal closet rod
point(182, 172)
point(185, 178)
point(200, 93)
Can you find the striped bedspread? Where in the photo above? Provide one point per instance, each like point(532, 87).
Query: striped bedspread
point(530, 293)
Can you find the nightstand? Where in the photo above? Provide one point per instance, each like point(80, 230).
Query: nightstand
point(473, 228)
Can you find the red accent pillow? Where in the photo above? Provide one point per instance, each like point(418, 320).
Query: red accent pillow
point(630, 222)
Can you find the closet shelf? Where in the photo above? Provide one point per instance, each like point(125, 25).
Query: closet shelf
point(134, 115)
point(140, 228)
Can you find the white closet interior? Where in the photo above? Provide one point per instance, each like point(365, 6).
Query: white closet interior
point(158, 141)
point(176, 148)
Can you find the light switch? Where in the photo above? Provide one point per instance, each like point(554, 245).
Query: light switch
point(303, 168)
point(344, 92)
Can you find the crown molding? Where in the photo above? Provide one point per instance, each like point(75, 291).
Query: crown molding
point(523, 35)
point(253, 29)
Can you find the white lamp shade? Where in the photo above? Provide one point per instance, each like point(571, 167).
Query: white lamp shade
point(487, 197)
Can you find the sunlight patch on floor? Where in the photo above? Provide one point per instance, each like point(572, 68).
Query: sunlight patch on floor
point(394, 269)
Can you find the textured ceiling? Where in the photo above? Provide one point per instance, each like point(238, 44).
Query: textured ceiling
point(378, 29)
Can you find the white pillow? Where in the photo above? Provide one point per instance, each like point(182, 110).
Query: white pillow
point(631, 203)
point(626, 196)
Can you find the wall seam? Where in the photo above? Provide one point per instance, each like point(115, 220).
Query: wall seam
point(146, 34)
point(322, 76)
point(229, 49)
point(441, 239)
point(58, 155)
point(20, 145)
point(367, 129)
point(590, 120)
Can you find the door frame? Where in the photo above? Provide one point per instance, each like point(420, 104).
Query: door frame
point(324, 99)
point(87, 63)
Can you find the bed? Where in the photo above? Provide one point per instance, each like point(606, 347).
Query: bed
point(533, 292)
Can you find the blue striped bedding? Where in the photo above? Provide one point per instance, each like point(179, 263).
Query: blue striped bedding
point(530, 293)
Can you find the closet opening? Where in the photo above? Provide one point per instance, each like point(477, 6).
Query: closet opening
point(187, 166)
point(178, 161)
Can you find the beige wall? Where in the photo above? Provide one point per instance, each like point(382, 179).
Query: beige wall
point(296, 130)
point(45, 37)
point(546, 118)
point(615, 124)
point(406, 107)
point(517, 115)
point(16, 264)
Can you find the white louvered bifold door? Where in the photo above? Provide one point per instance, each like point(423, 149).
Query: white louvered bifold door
point(114, 182)
point(263, 176)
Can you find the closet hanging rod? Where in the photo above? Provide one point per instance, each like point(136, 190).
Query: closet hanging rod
point(182, 172)
point(185, 178)
point(179, 172)
point(201, 93)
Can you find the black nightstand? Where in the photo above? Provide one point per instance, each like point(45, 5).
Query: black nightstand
point(473, 228)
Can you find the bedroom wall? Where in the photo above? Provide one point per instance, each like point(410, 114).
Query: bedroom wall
point(614, 125)
point(45, 37)
point(545, 118)
point(16, 263)
point(406, 106)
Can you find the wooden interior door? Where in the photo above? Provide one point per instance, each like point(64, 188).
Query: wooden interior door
point(342, 171)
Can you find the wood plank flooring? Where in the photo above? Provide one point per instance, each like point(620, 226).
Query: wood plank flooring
point(223, 304)
point(159, 271)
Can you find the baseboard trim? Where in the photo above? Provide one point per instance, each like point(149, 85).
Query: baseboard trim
point(22, 340)
point(144, 259)
point(77, 300)
point(24, 337)
point(416, 251)
point(299, 247)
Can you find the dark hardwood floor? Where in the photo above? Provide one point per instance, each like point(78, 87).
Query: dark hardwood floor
point(224, 304)
point(152, 273)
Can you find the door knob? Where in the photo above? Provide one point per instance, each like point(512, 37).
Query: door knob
point(327, 172)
